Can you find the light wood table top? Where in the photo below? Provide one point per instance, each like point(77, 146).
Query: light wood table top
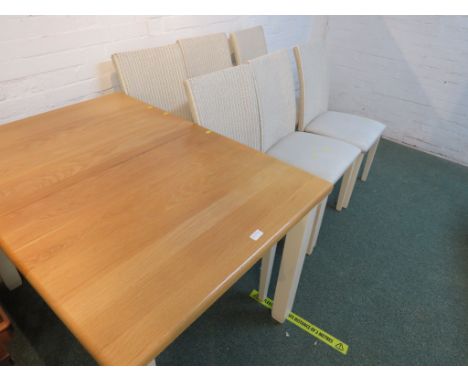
point(130, 222)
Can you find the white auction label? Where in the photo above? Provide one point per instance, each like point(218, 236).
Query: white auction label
point(257, 234)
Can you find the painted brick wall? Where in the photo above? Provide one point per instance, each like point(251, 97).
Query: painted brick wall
point(50, 61)
point(409, 72)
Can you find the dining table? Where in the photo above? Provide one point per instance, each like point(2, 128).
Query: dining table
point(131, 222)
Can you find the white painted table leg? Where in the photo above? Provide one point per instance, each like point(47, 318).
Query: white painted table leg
point(356, 167)
point(320, 210)
point(265, 273)
point(152, 363)
point(8, 273)
point(369, 160)
point(290, 270)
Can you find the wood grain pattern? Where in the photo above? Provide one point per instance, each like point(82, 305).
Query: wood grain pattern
point(131, 223)
point(44, 153)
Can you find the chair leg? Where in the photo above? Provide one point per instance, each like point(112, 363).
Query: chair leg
point(265, 273)
point(345, 183)
point(8, 273)
point(369, 160)
point(319, 211)
point(355, 173)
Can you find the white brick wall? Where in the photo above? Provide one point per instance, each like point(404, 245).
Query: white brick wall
point(51, 61)
point(408, 72)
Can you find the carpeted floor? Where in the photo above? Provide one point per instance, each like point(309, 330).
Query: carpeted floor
point(389, 277)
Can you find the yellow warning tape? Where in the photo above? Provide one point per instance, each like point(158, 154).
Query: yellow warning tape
point(307, 326)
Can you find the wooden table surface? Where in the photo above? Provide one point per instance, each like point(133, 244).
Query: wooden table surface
point(131, 222)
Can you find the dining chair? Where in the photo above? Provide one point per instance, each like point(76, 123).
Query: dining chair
point(235, 101)
point(205, 54)
point(155, 76)
point(322, 156)
point(248, 44)
point(325, 157)
point(225, 102)
point(314, 116)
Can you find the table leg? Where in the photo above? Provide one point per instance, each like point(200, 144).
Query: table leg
point(152, 363)
point(8, 272)
point(294, 252)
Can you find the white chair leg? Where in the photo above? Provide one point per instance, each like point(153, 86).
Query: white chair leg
point(8, 273)
point(356, 166)
point(265, 273)
point(291, 267)
point(369, 160)
point(345, 184)
point(320, 209)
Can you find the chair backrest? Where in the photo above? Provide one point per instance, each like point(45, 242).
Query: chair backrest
point(155, 76)
point(276, 96)
point(313, 80)
point(225, 102)
point(205, 54)
point(248, 44)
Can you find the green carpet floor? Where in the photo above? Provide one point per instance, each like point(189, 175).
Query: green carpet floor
point(389, 277)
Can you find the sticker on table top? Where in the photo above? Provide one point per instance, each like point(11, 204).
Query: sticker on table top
point(208, 132)
point(308, 327)
point(149, 107)
point(166, 113)
point(257, 234)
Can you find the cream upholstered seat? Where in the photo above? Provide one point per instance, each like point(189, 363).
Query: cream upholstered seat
point(322, 156)
point(155, 76)
point(205, 54)
point(314, 116)
point(359, 131)
point(248, 44)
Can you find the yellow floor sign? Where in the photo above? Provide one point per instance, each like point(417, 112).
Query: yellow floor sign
point(307, 326)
